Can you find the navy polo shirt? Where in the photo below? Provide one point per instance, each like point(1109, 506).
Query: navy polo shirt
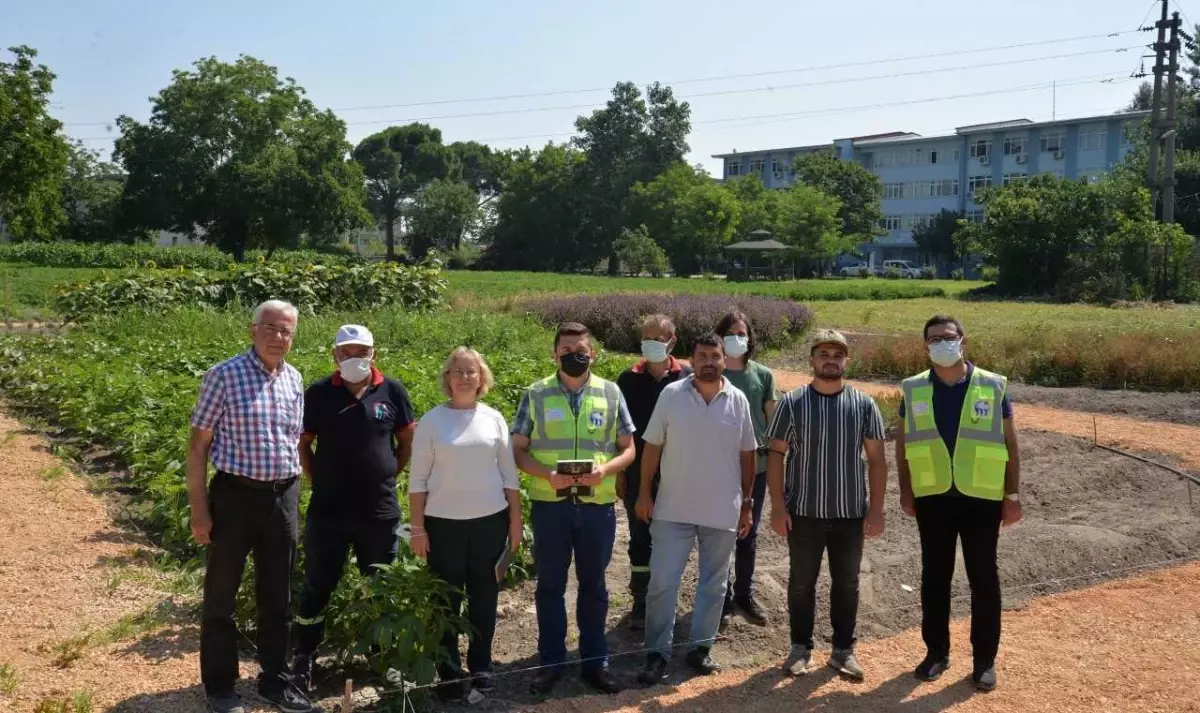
point(947, 409)
point(354, 466)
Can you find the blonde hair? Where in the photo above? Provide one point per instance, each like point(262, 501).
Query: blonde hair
point(486, 380)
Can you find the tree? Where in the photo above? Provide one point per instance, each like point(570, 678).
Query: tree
point(628, 141)
point(936, 237)
point(758, 207)
point(440, 215)
point(538, 224)
point(33, 152)
point(91, 196)
point(809, 221)
point(857, 189)
point(640, 254)
point(687, 214)
point(398, 162)
point(241, 159)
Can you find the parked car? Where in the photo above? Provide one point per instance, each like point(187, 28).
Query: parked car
point(905, 268)
point(858, 269)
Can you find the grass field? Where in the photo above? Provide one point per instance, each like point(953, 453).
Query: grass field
point(28, 291)
point(496, 286)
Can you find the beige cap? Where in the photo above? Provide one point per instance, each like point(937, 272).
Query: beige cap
point(828, 336)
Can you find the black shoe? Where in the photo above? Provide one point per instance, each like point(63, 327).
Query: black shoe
point(637, 616)
point(225, 703)
point(984, 677)
point(701, 662)
point(302, 673)
point(752, 611)
point(450, 690)
point(655, 670)
point(287, 698)
point(483, 682)
point(602, 681)
point(726, 617)
point(545, 681)
point(932, 668)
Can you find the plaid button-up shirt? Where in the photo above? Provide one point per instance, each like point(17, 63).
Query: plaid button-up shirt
point(256, 417)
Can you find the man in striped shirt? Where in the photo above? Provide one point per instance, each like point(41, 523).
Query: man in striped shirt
point(821, 503)
point(248, 420)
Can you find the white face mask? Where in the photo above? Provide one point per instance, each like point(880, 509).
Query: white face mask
point(355, 370)
point(654, 351)
point(736, 346)
point(946, 353)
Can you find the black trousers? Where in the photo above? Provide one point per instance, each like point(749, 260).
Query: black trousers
point(248, 521)
point(639, 534)
point(808, 540)
point(326, 543)
point(942, 521)
point(464, 554)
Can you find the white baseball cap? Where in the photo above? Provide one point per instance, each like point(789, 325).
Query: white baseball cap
point(353, 334)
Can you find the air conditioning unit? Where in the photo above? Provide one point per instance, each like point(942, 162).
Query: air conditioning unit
point(1058, 154)
point(1020, 158)
point(985, 160)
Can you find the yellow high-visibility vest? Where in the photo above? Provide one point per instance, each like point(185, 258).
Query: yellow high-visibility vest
point(560, 434)
point(980, 452)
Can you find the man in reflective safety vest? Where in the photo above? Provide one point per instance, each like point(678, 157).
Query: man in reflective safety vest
point(573, 415)
point(959, 471)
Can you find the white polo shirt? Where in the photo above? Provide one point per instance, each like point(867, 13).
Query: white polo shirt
point(701, 481)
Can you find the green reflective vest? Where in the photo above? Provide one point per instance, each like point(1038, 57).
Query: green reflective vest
point(560, 434)
point(980, 453)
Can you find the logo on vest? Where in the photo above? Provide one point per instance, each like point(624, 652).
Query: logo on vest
point(920, 408)
point(596, 419)
point(555, 414)
point(382, 412)
point(983, 409)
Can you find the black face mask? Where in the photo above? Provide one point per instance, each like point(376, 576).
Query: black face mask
point(575, 363)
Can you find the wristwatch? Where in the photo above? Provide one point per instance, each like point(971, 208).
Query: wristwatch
point(1015, 497)
point(748, 503)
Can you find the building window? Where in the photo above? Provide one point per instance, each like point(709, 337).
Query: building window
point(1015, 145)
point(974, 183)
point(981, 147)
point(1092, 139)
point(891, 222)
point(884, 159)
point(1011, 178)
point(918, 220)
point(893, 191)
point(975, 216)
point(1054, 141)
point(757, 165)
point(734, 168)
point(778, 167)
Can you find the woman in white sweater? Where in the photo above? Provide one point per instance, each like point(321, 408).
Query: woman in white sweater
point(464, 503)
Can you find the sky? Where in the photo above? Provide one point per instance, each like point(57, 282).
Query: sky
point(738, 65)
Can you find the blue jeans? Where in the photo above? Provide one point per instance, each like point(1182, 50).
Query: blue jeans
point(741, 573)
point(672, 545)
point(588, 532)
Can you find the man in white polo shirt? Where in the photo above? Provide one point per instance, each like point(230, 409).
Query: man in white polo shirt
point(703, 436)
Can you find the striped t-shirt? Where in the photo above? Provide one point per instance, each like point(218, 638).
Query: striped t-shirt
point(826, 472)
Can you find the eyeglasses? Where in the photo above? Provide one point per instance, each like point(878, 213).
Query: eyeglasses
point(464, 373)
point(285, 334)
point(942, 340)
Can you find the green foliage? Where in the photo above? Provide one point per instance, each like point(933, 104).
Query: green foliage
point(956, 273)
point(241, 158)
point(9, 680)
point(72, 254)
point(936, 237)
point(397, 162)
point(33, 152)
point(311, 288)
point(758, 207)
point(808, 222)
point(440, 215)
point(91, 196)
point(639, 253)
point(857, 190)
point(687, 214)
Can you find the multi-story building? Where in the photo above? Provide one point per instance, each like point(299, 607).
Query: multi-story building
point(923, 175)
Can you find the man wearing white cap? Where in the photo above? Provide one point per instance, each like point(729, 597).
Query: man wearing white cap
point(362, 424)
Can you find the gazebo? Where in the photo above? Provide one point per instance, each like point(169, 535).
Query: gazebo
point(757, 258)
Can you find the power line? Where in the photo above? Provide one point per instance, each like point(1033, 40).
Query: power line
point(750, 75)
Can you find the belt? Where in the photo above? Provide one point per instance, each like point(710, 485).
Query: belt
point(275, 486)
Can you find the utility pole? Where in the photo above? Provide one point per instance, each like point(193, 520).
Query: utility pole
point(1168, 126)
point(1160, 49)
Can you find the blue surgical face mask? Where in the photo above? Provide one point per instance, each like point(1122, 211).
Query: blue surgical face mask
point(946, 353)
point(654, 351)
point(736, 346)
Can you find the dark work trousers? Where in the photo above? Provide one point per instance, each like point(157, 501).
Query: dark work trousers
point(265, 523)
point(639, 534)
point(464, 554)
point(745, 552)
point(327, 540)
point(809, 539)
point(560, 530)
point(942, 521)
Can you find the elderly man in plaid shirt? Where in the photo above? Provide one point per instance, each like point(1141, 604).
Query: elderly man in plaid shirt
point(248, 421)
